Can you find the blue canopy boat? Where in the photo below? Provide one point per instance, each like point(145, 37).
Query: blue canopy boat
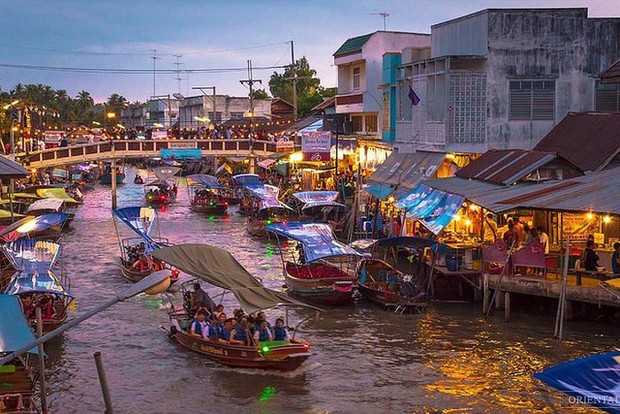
point(207, 195)
point(264, 208)
point(384, 285)
point(316, 266)
point(594, 380)
point(17, 378)
point(136, 259)
point(239, 183)
point(318, 206)
point(36, 283)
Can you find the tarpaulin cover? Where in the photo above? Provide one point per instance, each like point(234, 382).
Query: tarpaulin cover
point(36, 282)
point(268, 196)
point(15, 331)
point(6, 214)
point(219, 268)
point(182, 154)
point(246, 179)
point(381, 191)
point(31, 254)
point(43, 222)
point(266, 163)
point(165, 173)
point(594, 380)
point(433, 208)
point(58, 193)
point(205, 180)
point(141, 220)
point(317, 239)
point(313, 199)
point(53, 204)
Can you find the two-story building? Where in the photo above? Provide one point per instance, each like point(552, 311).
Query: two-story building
point(360, 76)
point(195, 110)
point(502, 78)
point(134, 116)
point(162, 112)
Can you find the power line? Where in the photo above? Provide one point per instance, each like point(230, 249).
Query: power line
point(120, 71)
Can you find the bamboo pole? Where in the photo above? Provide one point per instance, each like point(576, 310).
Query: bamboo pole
point(104, 383)
point(41, 352)
point(559, 319)
point(499, 282)
point(430, 288)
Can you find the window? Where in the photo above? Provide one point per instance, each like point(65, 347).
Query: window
point(357, 122)
point(607, 97)
point(357, 74)
point(371, 123)
point(236, 115)
point(532, 100)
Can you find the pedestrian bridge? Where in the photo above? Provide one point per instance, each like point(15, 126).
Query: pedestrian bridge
point(108, 150)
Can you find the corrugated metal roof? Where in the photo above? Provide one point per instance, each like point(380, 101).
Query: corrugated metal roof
point(505, 166)
point(353, 45)
point(407, 169)
point(11, 169)
point(612, 73)
point(589, 140)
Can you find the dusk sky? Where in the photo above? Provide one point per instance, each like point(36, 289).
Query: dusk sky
point(207, 34)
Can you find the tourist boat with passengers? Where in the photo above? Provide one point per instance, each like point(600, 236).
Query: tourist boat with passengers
point(163, 189)
point(219, 268)
point(137, 261)
point(106, 175)
point(18, 377)
point(317, 206)
point(207, 195)
point(239, 183)
point(382, 284)
point(53, 206)
point(316, 266)
point(264, 209)
point(35, 280)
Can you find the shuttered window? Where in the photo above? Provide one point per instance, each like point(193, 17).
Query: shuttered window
point(607, 97)
point(532, 100)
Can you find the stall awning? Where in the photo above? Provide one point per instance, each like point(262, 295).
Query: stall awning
point(433, 208)
point(404, 170)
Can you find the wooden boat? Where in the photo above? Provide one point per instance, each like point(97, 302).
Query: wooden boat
point(316, 266)
point(53, 206)
point(264, 209)
point(219, 268)
point(106, 178)
point(317, 206)
point(383, 285)
point(206, 195)
point(241, 183)
point(18, 376)
point(163, 190)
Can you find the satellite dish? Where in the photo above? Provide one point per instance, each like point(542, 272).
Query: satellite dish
point(178, 96)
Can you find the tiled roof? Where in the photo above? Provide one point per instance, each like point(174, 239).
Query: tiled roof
point(353, 45)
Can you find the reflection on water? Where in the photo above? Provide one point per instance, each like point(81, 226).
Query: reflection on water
point(365, 361)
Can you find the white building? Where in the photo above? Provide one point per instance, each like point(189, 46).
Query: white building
point(194, 110)
point(360, 72)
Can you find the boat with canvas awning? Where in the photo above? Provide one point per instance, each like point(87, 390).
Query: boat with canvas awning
point(137, 261)
point(317, 206)
point(316, 266)
point(17, 377)
point(264, 208)
point(163, 189)
point(52, 205)
point(207, 195)
point(219, 268)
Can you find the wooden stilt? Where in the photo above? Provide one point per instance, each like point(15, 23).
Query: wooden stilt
point(113, 179)
point(507, 307)
point(485, 293)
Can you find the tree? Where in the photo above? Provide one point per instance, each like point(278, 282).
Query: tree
point(309, 90)
point(260, 94)
point(116, 103)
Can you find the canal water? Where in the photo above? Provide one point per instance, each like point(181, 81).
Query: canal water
point(365, 360)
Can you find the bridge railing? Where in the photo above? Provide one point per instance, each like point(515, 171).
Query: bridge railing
point(127, 148)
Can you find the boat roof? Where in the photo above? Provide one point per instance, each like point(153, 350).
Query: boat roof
point(165, 173)
point(219, 268)
point(15, 331)
point(318, 199)
point(317, 239)
point(400, 241)
point(322, 204)
point(44, 281)
point(6, 214)
point(57, 193)
point(158, 183)
point(268, 196)
point(204, 180)
point(140, 220)
point(247, 179)
point(21, 253)
point(53, 204)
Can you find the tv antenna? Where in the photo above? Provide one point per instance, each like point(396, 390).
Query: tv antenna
point(384, 15)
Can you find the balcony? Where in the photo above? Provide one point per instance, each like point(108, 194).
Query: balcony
point(349, 103)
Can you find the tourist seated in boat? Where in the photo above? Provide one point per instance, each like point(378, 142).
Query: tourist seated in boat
point(28, 305)
point(239, 334)
point(199, 326)
point(48, 311)
point(220, 324)
point(262, 316)
point(219, 309)
point(262, 333)
point(225, 334)
point(211, 328)
point(202, 300)
point(279, 331)
point(142, 264)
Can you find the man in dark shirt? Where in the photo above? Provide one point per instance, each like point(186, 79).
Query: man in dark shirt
point(615, 259)
point(202, 299)
point(590, 258)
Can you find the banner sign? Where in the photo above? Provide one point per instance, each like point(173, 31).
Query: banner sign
point(182, 145)
point(531, 255)
point(160, 134)
point(183, 154)
point(316, 145)
point(285, 146)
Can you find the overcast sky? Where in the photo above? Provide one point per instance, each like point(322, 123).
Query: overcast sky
point(207, 34)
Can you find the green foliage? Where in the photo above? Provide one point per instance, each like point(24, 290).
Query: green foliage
point(260, 94)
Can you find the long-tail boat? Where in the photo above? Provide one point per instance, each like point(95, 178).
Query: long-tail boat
point(163, 189)
point(219, 268)
point(207, 195)
point(265, 208)
point(316, 266)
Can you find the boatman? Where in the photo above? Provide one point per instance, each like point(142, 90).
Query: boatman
point(202, 300)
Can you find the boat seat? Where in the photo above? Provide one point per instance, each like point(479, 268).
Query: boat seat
point(314, 271)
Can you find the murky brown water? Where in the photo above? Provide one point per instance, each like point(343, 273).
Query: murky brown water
point(366, 360)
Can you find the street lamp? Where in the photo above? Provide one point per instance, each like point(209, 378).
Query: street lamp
point(7, 107)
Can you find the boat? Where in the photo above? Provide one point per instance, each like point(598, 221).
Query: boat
point(317, 206)
point(18, 376)
point(138, 179)
point(264, 208)
point(206, 195)
point(219, 268)
point(382, 284)
point(239, 183)
point(52, 206)
point(143, 222)
point(46, 226)
point(316, 266)
point(35, 279)
point(163, 189)
point(106, 176)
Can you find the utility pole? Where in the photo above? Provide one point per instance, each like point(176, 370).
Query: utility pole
point(178, 78)
point(154, 57)
point(294, 80)
point(250, 81)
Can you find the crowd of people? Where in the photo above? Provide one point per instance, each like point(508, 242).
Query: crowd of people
point(212, 323)
point(45, 301)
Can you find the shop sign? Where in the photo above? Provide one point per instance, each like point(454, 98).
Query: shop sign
point(285, 146)
point(160, 135)
point(182, 145)
point(316, 146)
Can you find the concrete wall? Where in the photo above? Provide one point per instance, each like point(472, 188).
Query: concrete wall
point(465, 36)
point(226, 107)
